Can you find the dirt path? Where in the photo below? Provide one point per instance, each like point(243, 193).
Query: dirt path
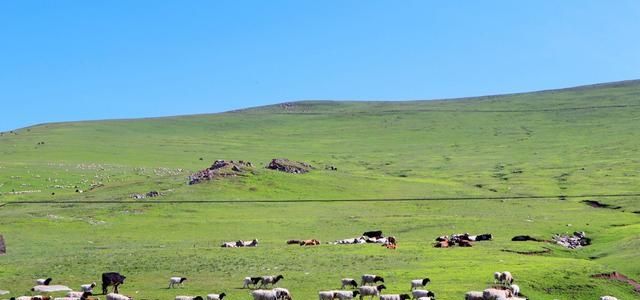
point(619, 277)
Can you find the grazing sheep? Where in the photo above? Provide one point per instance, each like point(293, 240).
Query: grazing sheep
point(395, 297)
point(188, 298)
point(114, 296)
point(176, 280)
point(42, 281)
point(495, 294)
point(264, 295)
point(608, 298)
point(272, 280)
point(79, 294)
point(349, 282)
point(422, 293)
point(370, 290)
point(515, 289)
point(21, 298)
point(496, 277)
point(216, 296)
point(282, 293)
point(371, 279)
point(418, 283)
point(88, 287)
point(473, 295)
point(506, 278)
point(326, 295)
point(251, 281)
point(346, 295)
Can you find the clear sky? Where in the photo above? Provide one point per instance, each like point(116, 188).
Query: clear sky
point(78, 60)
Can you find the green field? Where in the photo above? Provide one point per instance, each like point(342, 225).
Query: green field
point(525, 160)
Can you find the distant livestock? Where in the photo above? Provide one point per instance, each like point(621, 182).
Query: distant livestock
point(189, 298)
point(371, 291)
point(422, 293)
point(216, 296)
point(373, 234)
point(270, 280)
point(312, 242)
point(419, 283)
point(326, 295)
point(112, 278)
point(176, 280)
point(43, 281)
point(116, 296)
point(473, 295)
point(608, 298)
point(346, 295)
point(495, 294)
point(349, 282)
point(371, 279)
point(88, 287)
point(251, 281)
point(395, 297)
point(240, 243)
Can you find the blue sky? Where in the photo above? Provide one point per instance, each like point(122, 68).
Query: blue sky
point(79, 60)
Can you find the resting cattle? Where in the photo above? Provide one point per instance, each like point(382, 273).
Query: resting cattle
point(373, 234)
point(112, 278)
point(313, 242)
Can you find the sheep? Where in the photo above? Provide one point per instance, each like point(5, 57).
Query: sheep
point(229, 245)
point(114, 296)
point(66, 298)
point(395, 297)
point(515, 289)
point(188, 298)
point(216, 296)
point(41, 297)
point(326, 295)
point(370, 278)
point(370, 290)
point(422, 293)
point(282, 293)
point(608, 298)
point(21, 298)
point(349, 282)
point(176, 280)
point(264, 295)
point(418, 283)
point(88, 287)
point(78, 294)
point(272, 280)
point(42, 281)
point(506, 278)
point(473, 295)
point(346, 295)
point(251, 281)
point(495, 294)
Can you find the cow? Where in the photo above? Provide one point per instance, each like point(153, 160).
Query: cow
point(373, 234)
point(111, 278)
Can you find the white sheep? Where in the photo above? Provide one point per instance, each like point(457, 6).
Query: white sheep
point(346, 295)
point(176, 280)
point(282, 293)
point(496, 277)
point(23, 298)
point(395, 297)
point(608, 298)
point(272, 280)
point(371, 291)
point(495, 294)
point(422, 293)
point(216, 296)
point(426, 298)
point(88, 287)
point(506, 278)
point(66, 298)
point(349, 282)
point(419, 283)
point(75, 294)
point(371, 279)
point(188, 298)
point(473, 295)
point(42, 281)
point(250, 281)
point(114, 296)
point(326, 295)
point(515, 289)
point(264, 295)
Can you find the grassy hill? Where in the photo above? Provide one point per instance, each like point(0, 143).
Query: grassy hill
point(523, 151)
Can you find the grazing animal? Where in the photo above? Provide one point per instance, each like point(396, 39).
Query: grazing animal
point(515, 289)
point(465, 243)
point(313, 242)
point(176, 280)
point(349, 282)
point(272, 280)
point(371, 279)
point(116, 296)
point(346, 295)
point(506, 278)
point(88, 287)
point(473, 295)
point(608, 298)
point(216, 296)
point(373, 234)
point(229, 245)
point(42, 281)
point(112, 278)
point(188, 298)
point(251, 281)
point(371, 291)
point(418, 283)
point(293, 242)
point(66, 298)
point(264, 295)
point(326, 295)
point(395, 297)
point(391, 246)
point(282, 293)
point(484, 237)
point(496, 277)
point(422, 293)
point(442, 244)
point(80, 295)
point(495, 294)
point(253, 243)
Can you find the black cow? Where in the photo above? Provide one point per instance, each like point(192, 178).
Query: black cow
point(111, 278)
point(484, 237)
point(373, 234)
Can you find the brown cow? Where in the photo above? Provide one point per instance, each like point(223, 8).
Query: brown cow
point(312, 242)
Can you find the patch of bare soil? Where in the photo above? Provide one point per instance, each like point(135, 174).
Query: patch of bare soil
point(619, 277)
point(596, 204)
point(221, 169)
point(540, 252)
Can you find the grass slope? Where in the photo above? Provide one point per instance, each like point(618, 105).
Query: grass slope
point(566, 142)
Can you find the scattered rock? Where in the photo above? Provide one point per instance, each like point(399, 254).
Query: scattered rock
point(288, 166)
point(220, 169)
point(578, 240)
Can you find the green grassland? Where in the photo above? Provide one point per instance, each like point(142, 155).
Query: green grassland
point(573, 142)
